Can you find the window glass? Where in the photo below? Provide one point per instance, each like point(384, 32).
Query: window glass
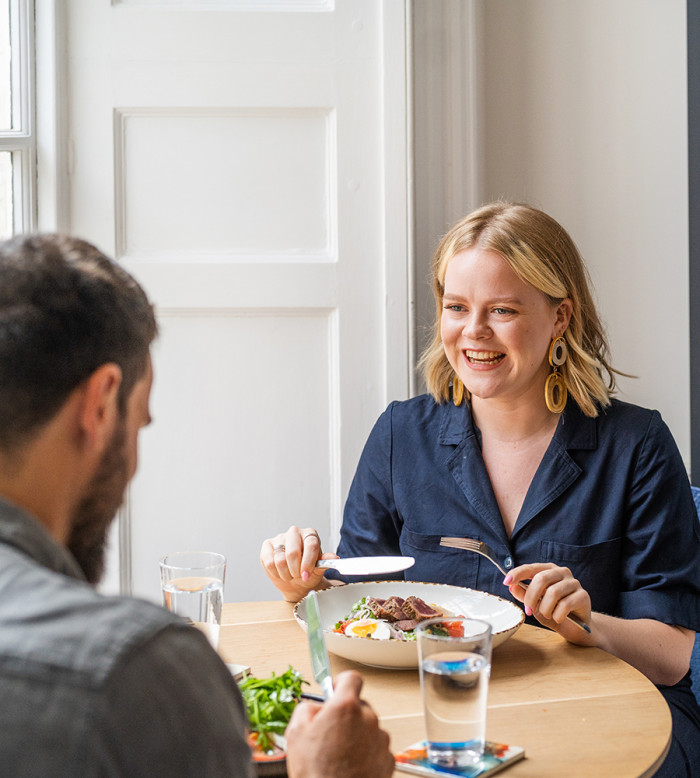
point(5, 67)
point(17, 140)
point(5, 194)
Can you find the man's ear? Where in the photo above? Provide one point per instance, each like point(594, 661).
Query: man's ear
point(100, 407)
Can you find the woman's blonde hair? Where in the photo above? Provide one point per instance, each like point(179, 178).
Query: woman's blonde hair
point(541, 253)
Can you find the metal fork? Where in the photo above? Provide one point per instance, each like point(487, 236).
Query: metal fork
point(478, 547)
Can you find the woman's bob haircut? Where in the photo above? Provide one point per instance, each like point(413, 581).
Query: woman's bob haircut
point(541, 253)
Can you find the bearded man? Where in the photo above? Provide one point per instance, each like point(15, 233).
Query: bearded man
point(93, 685)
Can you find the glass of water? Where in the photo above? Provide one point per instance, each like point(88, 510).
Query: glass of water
point(455, 664)
point(193, 587)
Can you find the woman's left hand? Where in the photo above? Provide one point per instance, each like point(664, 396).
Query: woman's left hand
point(552, 594)
point(660, 651)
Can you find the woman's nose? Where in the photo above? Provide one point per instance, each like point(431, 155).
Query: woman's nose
point(476, 327)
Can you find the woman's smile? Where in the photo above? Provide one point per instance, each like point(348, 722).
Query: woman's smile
point(483, 358)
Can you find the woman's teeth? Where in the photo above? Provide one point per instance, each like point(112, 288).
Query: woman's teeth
point(484, 357)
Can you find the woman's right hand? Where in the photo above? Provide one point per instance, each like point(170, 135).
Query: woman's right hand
point(289, 559)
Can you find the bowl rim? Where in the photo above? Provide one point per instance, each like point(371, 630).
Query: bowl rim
point(326, 592)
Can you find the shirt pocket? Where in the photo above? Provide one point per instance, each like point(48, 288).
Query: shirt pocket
point(597, 566)
point(436, 563)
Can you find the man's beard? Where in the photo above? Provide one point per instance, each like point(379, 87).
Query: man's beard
point(93, 516)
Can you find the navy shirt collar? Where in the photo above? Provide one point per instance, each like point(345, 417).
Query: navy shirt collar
point(556, 473)
point(574, 431)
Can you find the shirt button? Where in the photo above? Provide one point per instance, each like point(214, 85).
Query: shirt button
point(508, 562)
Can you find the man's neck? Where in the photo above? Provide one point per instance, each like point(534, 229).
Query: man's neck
point(41, 478)
point(32, 501)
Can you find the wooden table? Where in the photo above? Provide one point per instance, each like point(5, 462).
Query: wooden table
point(576, 711)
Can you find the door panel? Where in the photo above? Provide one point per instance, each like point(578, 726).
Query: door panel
point(235, 186)
point(247, 162)
point(242, 452)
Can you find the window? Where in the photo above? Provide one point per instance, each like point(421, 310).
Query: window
point(17, 136)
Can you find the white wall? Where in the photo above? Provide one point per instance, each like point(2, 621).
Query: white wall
point(583, 113)
point(578, 108)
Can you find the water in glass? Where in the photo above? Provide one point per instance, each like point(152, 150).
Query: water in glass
point(198, 599)
point(455, 689)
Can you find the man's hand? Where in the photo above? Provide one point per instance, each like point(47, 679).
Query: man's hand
point(338, 739)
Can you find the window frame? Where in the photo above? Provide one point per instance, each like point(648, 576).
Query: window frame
point(20, 140)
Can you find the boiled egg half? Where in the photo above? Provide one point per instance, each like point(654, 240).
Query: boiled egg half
point(368, 628)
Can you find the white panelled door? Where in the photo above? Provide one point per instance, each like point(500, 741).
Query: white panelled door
point(246, 161)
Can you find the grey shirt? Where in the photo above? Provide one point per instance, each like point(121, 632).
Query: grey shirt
point(103, 686)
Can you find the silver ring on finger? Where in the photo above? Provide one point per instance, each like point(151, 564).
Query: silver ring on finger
point(313, 534)
point(281, 547)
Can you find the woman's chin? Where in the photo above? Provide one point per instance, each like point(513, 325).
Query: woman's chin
point(480, 392)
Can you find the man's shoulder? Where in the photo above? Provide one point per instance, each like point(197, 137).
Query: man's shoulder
point(117, 626)
point(116, 681)
point(50, 621)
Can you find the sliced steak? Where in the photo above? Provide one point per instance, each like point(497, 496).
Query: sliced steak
point(394, 607)
point(377, 607)
point(406, 624)
point(417, 609)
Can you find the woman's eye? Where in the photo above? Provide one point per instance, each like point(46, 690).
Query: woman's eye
point(503, 311)
point(454, 307)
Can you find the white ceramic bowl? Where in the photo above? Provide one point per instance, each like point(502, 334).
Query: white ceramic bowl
point(334, 604)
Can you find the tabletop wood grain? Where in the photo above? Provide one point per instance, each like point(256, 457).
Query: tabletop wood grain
point(576, 711)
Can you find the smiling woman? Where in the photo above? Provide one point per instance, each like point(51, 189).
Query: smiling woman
point(534, 267)
point(496, 328)
point(586, 499)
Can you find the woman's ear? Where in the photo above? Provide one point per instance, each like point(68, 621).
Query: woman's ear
point(563, 311)
point(100, 405)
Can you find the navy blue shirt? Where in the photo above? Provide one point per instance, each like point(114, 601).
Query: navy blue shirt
point(610, 500)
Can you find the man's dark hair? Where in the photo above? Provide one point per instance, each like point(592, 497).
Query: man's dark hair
point(65, 310)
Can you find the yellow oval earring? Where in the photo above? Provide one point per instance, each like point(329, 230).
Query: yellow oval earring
point(558, 352)
point(555, 391)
